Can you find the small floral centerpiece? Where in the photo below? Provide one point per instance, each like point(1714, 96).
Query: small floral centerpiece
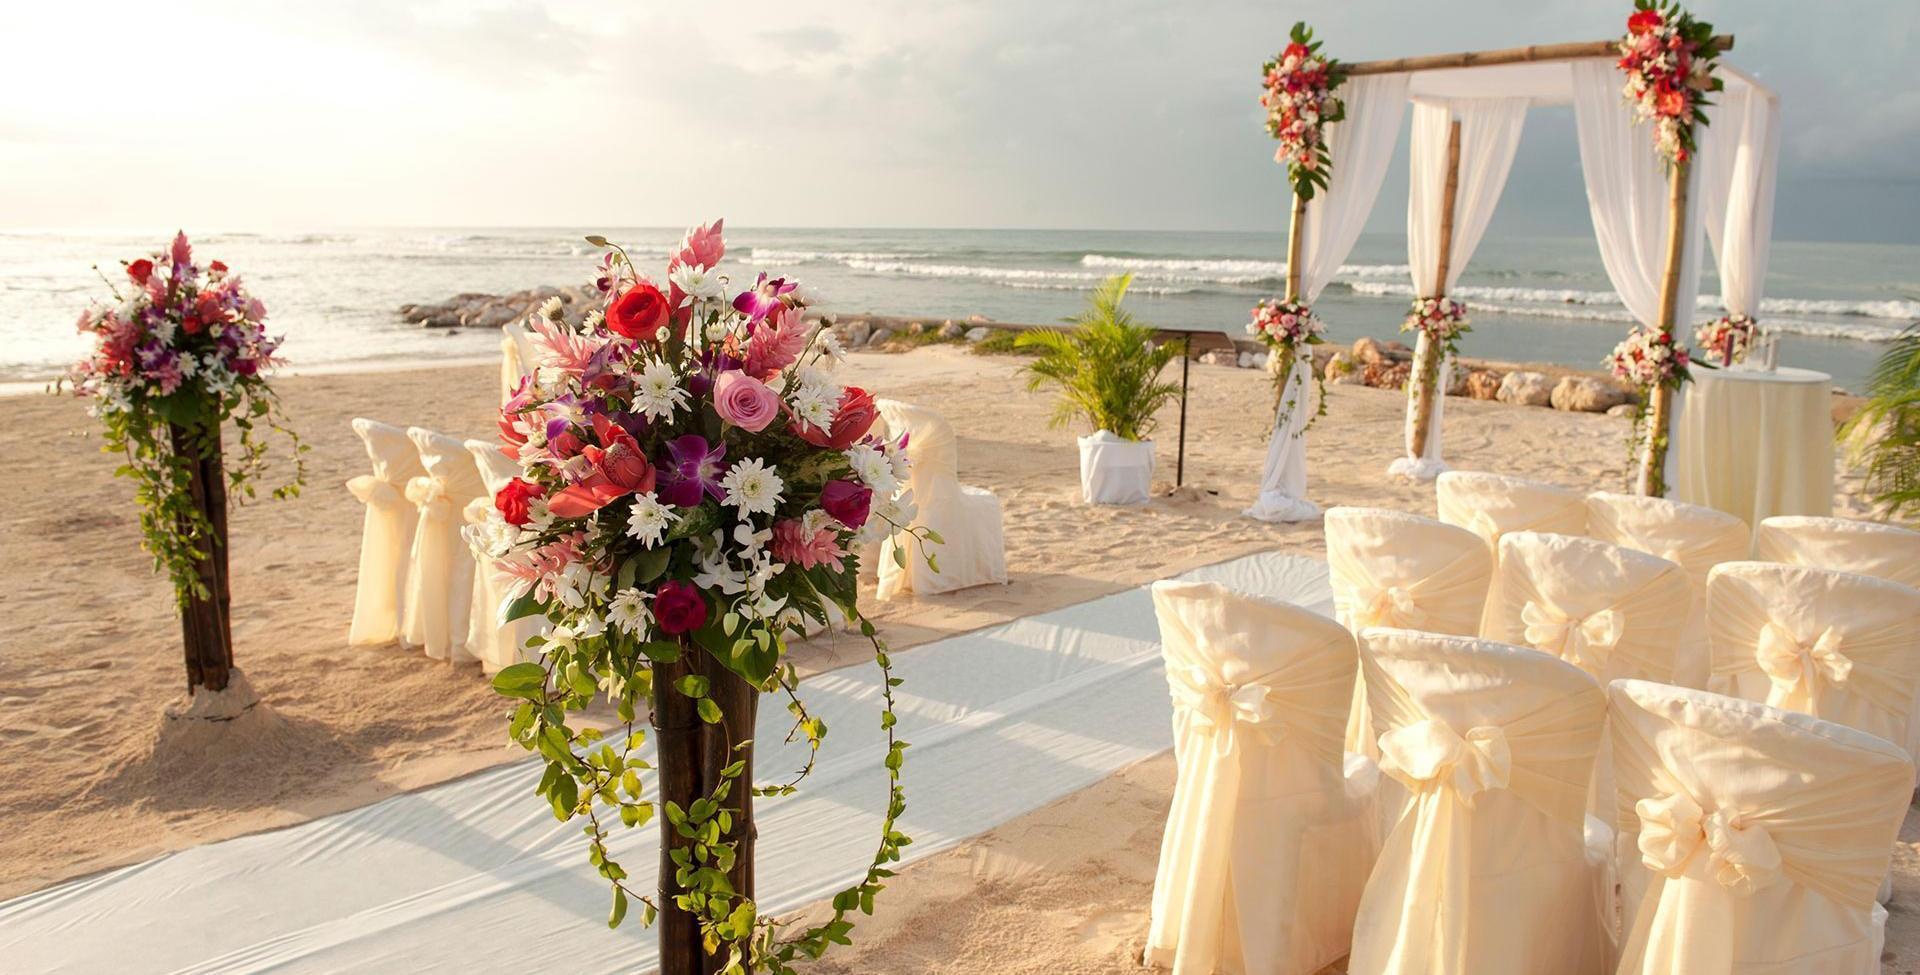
point(1441, 320)
point(695, 487)
point(181, 350)
point(1647, 358)
point(1298, 94)
point(1290, 329)
point(1668, 58)
point(1728, 337)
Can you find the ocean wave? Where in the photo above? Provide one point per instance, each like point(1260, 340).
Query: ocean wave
point(1144, 289)
point(1266, 270)
point(1840, 307)
point(774, 256)
point(1006, 274)
point(1791, 326)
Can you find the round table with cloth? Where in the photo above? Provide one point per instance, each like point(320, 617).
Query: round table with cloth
point(1754, 444)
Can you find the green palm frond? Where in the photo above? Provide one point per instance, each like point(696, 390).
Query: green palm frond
point(1106, 367)
point(1883, 438)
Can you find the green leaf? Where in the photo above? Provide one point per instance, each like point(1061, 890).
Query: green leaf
point(650, 565)
point(524, 679)
point(692, 685)
point(596, 240)
point(524, 606)
point(709, 711)
point(619, 908)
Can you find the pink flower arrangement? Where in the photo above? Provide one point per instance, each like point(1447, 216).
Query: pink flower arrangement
point(1297, 91)
point(1668, 58)
point(1288, 326)
point(1648, 357)
point(1442, 320)
point(1727, 337)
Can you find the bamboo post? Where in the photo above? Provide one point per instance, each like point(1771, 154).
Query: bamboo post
point(679, 741)
point(1530, 54)
point(1295, 225)
point(1652, 475)
point(1426, 371)
point(204, 629)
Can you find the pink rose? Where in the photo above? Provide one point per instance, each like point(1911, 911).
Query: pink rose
point(744, 401)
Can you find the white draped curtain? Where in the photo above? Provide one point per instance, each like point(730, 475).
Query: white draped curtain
point(1489, 135)
point(1361, 147)
point(1736, 182)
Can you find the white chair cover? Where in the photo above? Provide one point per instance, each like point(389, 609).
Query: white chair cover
point(1836, 645)
point(517, 357)
point(440, 587)
point(1390, 568)
point(1610, 611)
point(1490, 505)
point(1485, 871)
point(1752, 839)
point(1266, 848)
point(495, 645)
point(972, 551)
point(1693, 537)
point(386, 535)
point(1867, 547)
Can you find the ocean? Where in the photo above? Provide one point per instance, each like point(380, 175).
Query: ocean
point(334, 294)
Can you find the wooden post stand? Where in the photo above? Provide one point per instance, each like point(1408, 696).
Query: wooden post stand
point(1652, 479)
point(1295, 224)
point(692, 754)
point(1426, 366)
point(205, 628)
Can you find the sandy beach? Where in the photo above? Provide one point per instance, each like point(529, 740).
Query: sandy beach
point(92, 656)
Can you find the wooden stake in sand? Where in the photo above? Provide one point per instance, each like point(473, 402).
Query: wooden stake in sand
point(1652, 479)
point(1426, 367)
point(205, 625)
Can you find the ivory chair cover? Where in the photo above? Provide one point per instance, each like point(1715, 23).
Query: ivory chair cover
point(1608, 610)
point(386, 535)
point(1390, 568)
point(518, 358)
point(1693, 537)
point(1490, 505)
point(495, 644)
point(1752, 838)
point(1836, 645)
point(1867, 547)
point(972, 551)
point(1266, 847)
point(1485, 871)
point(440, 586)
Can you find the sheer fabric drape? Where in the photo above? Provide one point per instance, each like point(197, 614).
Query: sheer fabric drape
point(1693, 537)
point(972, 551)
point(1752, 839)
point(1738, 171)
point(1489, 134)
point(1266, 846)
point(1867, 547)
point(1361, 146)
point(1487, 749)
point(440, 585)
point(386, 534)
point(1490, 505)
point(1390, 568)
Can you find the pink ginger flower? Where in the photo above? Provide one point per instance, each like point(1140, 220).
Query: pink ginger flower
point(563, 349)
point(805, 543)
point(776, 344)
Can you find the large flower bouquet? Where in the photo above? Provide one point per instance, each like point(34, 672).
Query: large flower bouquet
point(181, 349)
point(1649, 357)
point(1729, 337)
point(695, 485)
point(1298, 86)
point(1290, 330)
point(1668, 57)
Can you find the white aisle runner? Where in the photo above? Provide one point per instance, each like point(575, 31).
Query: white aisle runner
point(475, 875)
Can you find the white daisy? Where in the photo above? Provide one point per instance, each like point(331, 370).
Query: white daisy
point(649, 520)
point(699, 283)
point(629, 613)
point(815, 403)
point(551, 308)
point(752, 487)
point(657, 393)
point(870, 465)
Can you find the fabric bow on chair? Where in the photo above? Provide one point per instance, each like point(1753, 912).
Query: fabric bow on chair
point(1219, 709)
point(1705, 859)
point(1389, 606)
point(1796, 669)
point(1428, 756)
point(1581, 641)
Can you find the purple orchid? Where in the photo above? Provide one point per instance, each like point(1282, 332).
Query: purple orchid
point(760, 300)
point(691, 469)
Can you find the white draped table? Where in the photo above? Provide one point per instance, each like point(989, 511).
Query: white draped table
point(1754, 444)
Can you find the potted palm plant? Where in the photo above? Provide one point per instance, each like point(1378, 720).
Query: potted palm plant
point(1883, 438)
point(1107, 371)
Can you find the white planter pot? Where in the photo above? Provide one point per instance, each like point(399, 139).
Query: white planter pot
point(1115, 471)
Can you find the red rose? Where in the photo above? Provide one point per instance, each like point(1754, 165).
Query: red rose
point(639, 312)
point(218, 267)
point(1671, 102)
point(515, 501)
point(1296, 50)
point(140, 270)
point(1643, 21)
point(849, 502)
point(851, 421)
point(678, 607)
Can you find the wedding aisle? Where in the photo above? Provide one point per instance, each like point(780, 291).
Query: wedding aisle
point(471, 875)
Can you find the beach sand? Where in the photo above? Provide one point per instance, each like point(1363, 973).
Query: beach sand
point(92, 653)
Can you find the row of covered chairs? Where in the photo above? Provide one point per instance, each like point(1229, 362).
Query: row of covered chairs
point(420, 583)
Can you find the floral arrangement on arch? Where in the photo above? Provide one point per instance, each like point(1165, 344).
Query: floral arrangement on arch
point(1729, 337)
point(1290, 329)
point(1298, 94)
point(1441, 320)
point(1649, 357)
point(695, 485)
point(183, 350)
point(1668, 58)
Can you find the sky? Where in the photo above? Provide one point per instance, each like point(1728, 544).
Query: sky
point(1028, 113)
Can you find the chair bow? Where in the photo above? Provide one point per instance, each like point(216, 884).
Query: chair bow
point(1216, 707)
point(1674, 830)
point(373, 489)
point(1581, 641)
point(426, 490)
point(1428, 755)
point(1795, 668)
point(1388, 606)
